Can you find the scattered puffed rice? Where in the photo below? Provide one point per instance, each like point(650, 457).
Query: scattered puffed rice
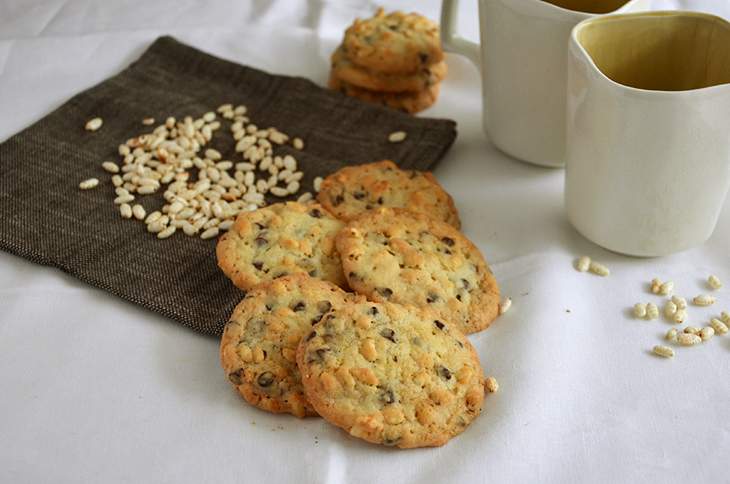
point(714, 282)
point(687, 339)
point(139, 212)
point(209, 233)
point(148, 121)
point(718, 326)
point(680, 316)
point(318, 183)
point(703, 300)
point(725, 317)
point(656, 285)
point(125, 210)
point(110, 166)
point(505, 305)
point(640, 310)
point(706, 333)
point(664, 351)
point(666, 288)
point(492, 384)
point(297, 143)
point(599, 269)
point(89, 184)
point(670, 309)
point(94, 124)
point(304, 197)
point(167, 232)
point(691, 330)
point(583, 263)
point(652, 311)
point(671, 335)
point(397, 136)
point(680, 302)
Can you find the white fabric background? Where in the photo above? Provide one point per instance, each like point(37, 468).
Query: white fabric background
point(93, 389)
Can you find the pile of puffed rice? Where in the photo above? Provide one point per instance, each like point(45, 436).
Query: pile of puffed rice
point(164, 158)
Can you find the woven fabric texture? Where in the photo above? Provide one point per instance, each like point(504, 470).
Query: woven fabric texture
point(47, 219)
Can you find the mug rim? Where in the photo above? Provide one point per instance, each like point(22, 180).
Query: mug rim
point(655, 13)
point(557, 8)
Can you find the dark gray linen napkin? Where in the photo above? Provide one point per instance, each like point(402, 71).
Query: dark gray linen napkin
point(45, 218)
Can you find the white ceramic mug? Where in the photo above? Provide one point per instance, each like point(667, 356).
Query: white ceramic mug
point(648, 134)
point(523, 60)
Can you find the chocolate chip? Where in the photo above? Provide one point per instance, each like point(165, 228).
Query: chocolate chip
point(258, 265)
point(423, 57)
point(439, 324)
point(387, 396)
point(337, 200)
point(443, 372)
point(448, 241)
point(373, 310)
point(235, 376)
point(380, 200)
point(260, 226)
point(386, 292)
point(391, 441)
point(318, 355)
point(311, 335)
point(458, 297)
point(312, 273)
point(388, 334)
point(359, 195)
point(352, 275)
point(265, 379)
point(299, 306)
point(260, 241)
point(432, 298)
point(324, 306)
point(466, 284)
point(315, 212)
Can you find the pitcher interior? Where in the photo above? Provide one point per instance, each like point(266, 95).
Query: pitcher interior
point(589, 6)
point(664, 52)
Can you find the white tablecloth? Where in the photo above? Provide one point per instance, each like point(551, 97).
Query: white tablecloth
point(93, 389)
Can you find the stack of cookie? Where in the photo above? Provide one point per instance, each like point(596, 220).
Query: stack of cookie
point(357, 307)
point(395, 60)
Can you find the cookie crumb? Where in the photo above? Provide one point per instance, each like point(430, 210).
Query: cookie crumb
point(492, 384)
point(397, 136)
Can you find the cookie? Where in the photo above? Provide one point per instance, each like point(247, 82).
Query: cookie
point(394, 43)
point(358, 76)
point(281, 239)
point(259, 343)
point(354, 189)
point(409, 102)
point(391, 374)
point(395, 255)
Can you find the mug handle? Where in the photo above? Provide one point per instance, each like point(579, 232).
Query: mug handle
point(453, 42)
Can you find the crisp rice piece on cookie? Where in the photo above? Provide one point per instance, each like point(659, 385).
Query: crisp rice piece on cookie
point(281, 239)
point(259, 343)
point(394, 43)
point(391, 374)
point(354, 189)
point(351, 73)
point(409, 102)
point(396, 255)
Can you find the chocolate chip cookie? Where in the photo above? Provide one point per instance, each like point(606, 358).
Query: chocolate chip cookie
point(394, 43)
point(395, 255)
point(347, 71)
point(391, 374)
point(259, 344)
point(409, 102)
point(281, 239)
point(354, 189)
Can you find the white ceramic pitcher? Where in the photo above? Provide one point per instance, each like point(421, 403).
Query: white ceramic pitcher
point(523, 61)
point(648, 146)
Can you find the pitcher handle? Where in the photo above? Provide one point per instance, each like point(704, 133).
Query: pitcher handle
point(453, 42)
